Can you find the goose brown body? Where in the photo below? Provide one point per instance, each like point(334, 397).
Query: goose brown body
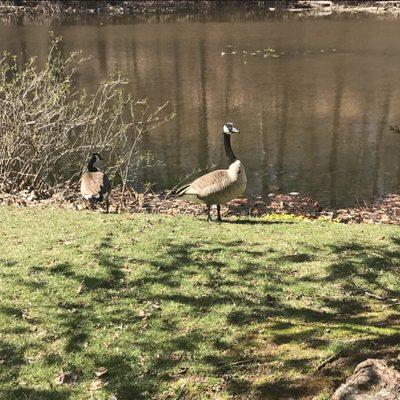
point(217, 187)
point(95, 185)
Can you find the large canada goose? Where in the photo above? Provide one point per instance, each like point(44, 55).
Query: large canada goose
point(95, 185)
point(218, 187)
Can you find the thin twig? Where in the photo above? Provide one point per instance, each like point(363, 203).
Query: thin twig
point(394, 129)
point(392, 304)
point(329, 360)
point(240, 362)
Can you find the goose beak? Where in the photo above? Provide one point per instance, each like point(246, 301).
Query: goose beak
point(234, 130)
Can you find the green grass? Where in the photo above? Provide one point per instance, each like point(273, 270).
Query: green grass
point(177, 308)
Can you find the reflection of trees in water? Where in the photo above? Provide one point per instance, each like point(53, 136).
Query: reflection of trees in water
point(377, 151)
point(229, 84)
point(137, 80)
point(312, 153)
point(264, 154)
point(102, 52)
point(333, 156)
point(362, 144)
point(203, 112)
point(178, 103)
point(281, 139)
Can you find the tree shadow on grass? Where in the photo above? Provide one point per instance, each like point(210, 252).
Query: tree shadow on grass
point(245, 293)
point(367, 263)
point(12, 361)
point(283, 389)
point(187, 259)
point(22, 393)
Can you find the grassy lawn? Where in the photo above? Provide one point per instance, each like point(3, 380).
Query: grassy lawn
point(177, 308)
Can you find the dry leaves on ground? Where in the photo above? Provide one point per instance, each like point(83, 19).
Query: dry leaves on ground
point(386, 210)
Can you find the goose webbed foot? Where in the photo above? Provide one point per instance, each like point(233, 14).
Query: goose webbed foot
point(208, 213)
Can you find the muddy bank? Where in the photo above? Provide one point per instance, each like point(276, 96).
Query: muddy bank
point(386, 210)
point(250, 8)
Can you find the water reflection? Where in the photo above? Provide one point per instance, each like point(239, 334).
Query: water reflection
point(310, 121)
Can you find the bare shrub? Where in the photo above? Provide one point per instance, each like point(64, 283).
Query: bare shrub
point(48, 126)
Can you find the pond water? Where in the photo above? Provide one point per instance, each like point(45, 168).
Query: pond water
point(313, 98)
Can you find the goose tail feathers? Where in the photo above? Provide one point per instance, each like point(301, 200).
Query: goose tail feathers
point(181, 191)
point(187, 192)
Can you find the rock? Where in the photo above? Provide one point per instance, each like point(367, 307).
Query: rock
point(372, 379)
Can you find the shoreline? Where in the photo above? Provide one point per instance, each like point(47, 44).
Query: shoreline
point(274, 9)
point(290, 205)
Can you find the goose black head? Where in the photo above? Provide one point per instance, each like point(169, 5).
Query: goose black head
point(228, 128)
point(95, 158)
point(94, 163)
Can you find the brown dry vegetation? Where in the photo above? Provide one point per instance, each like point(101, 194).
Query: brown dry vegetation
point(49, 127)
point(386, 211)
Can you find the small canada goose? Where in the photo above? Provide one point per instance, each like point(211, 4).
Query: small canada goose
point(95, 185)
point(218, 187)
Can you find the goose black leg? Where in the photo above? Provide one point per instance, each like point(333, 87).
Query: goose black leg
point(219, 219)
point(208, 213)
point(107, 205)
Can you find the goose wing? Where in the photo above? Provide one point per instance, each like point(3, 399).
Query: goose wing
point(211, 183)
point(95, 184)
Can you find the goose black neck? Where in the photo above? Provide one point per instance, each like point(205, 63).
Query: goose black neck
point(91, 167)
point(228, 148)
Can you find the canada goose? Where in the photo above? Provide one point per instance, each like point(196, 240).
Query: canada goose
point(218, 187)
point(95, 185)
